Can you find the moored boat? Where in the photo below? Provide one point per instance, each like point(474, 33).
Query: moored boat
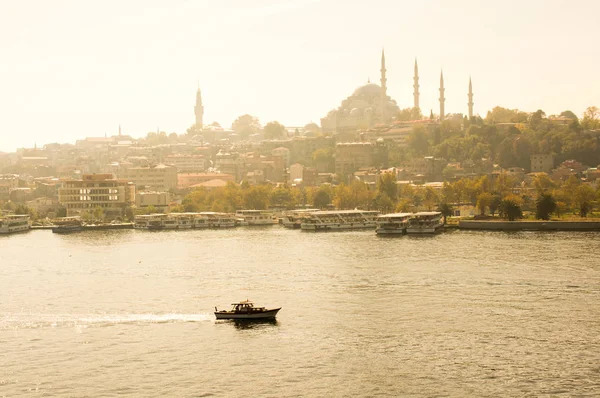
point(293, 218)
point(14, 223)
point(394, 223)
point(426, 222)
point(255, 217)
point(66, 225)
point(339, 219)
point(246, 310)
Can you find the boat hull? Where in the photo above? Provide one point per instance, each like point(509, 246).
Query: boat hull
point(268, 314)
point(423, 230)
point(66, 229)
point(390, 231)
point(340, 226)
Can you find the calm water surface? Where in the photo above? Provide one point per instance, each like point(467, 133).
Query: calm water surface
point(116, 313)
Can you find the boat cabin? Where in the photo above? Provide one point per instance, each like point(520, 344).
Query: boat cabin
point(245, 307)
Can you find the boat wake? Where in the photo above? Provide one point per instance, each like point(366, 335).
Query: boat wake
point(34, 321)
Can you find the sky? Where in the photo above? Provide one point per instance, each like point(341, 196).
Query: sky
point(79, 68)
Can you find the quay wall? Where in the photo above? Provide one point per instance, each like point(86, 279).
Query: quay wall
point(530, 225)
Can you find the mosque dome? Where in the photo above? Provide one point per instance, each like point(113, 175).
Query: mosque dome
point(369, 89)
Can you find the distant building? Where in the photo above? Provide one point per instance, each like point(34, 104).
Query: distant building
point(349, 157)
point(187, 163)
point(296, 172)
point(156, 178)
point(160, 200)
point(189, 180)
point(367, 106)
point(284, 153)
point(542, 163)
point(96, 191)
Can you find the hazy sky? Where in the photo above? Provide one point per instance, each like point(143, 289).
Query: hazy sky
point(71, 69)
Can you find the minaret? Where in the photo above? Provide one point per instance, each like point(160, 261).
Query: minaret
point(199, 109)
point(416, 85)
point(470, 99)
point(119, 130)
point(383, 88)
point(442, 98)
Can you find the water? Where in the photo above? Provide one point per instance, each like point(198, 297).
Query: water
point(117, 313)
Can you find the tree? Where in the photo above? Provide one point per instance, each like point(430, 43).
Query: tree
point(446, 209)
point(543, 183)
point(569, 114)
point(591, 118)
point(583, 197)
point(387, 184)
point(544, 206)
point(282, 197)
point(503, 115)
point(246, 125)
point(383, 203)
point(321, 199)
point(61, 212)
point(510, 208)
point(274, 130)
point(257, 197)
point(495, 203)
point(418, 140)
point(484, 200)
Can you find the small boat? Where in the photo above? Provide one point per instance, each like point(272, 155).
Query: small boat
point(66, 225)
point(246, 310)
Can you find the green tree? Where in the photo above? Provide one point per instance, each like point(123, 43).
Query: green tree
point(387, 184)
point(543, 183)
point(383, 203)
point(495, 203)
point(61, 212)
point(446, 209)
point(584, 197)
point(544, 206)
point(418, 140)
point(484, 200)
point(321, 199)
point(257, 197)
point(274, 130)
point(282, 197)
point(591, 118)
point(246, 125)
point(510, 207)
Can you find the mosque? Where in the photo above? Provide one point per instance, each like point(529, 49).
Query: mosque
point(370, 105)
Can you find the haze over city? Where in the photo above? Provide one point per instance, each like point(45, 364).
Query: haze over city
point(75, 69)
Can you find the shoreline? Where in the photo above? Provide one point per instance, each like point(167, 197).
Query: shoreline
point(529, 225)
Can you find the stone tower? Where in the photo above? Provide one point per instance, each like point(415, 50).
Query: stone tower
point(383, 88)
point(470, 99)
point(442, 98)
point(199, 109)
point(416, 86)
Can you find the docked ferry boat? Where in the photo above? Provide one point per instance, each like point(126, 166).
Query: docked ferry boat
point(339, 219)
point(246, 310)
point(159, 221)
point(394, 223)
point(66, 225)
point(293, 218)
point(255, 217)
point(14, 223)
point(218, 220)
point(426, 222)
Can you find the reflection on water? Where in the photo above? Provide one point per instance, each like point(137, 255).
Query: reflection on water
point(128, 312)
point(245, 324)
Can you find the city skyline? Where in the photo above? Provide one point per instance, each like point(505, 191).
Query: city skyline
point(67, 75)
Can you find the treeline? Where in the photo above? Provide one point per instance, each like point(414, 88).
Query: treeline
point(505, 195)
point(509, 137)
